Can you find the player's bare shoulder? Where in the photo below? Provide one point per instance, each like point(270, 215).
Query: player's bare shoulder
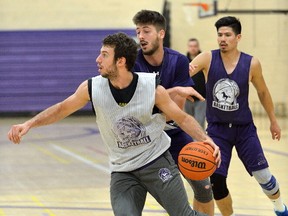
point(207, 57)
point(82, 91)
point(255, 68)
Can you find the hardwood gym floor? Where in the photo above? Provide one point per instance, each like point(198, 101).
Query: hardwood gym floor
point(61, 170)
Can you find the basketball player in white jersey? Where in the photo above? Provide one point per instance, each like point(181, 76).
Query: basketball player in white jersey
point(134, 135)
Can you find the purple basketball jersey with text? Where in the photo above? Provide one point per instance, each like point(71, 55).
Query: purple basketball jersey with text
point(227, 94)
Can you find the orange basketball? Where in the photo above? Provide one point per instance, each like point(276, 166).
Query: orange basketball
point(196, 161)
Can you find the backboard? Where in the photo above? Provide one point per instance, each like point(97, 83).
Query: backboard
point(206, 8)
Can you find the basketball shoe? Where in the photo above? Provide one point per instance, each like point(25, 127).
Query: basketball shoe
point(284, 213)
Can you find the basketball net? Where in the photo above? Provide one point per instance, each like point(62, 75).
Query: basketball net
point(191, 11)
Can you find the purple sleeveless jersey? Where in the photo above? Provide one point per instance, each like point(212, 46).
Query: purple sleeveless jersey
point(229, 118)
point(227, 94)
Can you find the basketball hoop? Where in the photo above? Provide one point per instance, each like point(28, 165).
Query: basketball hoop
point(205, 8)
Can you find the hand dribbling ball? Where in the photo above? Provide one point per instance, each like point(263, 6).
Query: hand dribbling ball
point(196, 161)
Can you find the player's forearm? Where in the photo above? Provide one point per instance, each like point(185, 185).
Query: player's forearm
point(194, 68)
point(193, 128)
point(175, 95)
point(266, 101)
point(48, 116)
point(172, 92)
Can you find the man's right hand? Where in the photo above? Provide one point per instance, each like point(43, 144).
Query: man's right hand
point(16, 132)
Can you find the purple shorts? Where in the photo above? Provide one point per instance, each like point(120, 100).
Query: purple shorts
point(246, 142)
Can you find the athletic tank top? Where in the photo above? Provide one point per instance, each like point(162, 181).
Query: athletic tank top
point(227, 94)
point(134, 136)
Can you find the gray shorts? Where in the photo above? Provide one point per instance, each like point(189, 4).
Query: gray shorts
point(161, 179)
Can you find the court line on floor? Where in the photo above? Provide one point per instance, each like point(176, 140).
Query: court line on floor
point(2, 213)
point(42, 206)
point(282, 153)
point(47, 152)
point(88, 132)
point(55, 208)
point(82, 159)
point(73, 208)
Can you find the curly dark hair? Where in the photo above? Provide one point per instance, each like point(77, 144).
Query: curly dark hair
point(151, 18)
point(229, 21)
point(124, 46)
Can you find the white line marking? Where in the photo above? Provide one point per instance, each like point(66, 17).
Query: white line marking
point(88, 162)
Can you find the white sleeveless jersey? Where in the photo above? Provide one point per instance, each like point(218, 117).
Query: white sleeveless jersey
point(133, 135)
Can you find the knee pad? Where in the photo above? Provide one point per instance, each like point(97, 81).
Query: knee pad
point(202, 190)
point(219, 186)
point(267, 181)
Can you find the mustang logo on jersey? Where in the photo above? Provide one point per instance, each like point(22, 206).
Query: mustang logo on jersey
point(225, 93)
point(129, 131)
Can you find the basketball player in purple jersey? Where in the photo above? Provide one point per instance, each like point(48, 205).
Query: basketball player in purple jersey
point(173, 69)
point(228, 72)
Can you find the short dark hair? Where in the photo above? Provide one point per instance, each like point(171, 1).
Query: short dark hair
point(229, 21)
point(124, 46)
point(193, 39)
point(150, 17)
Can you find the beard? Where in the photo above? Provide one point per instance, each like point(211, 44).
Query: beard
point(223, 47)
point(155, 46)
point(110, 73)
point(223, 50)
